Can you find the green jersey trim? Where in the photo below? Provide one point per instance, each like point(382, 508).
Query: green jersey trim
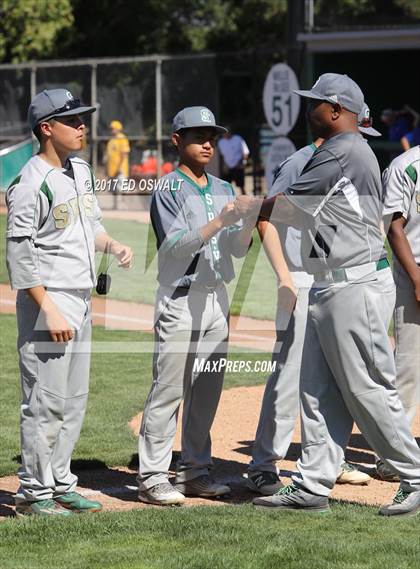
point(411, 173)
point(201, 189)
point(15, 181)
point(174, 239)
point(314, 146)
point(47, 192)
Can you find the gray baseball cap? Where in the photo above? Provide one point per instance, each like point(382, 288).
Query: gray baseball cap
point(55, 102)
point(364, 121)
point(336, 88)
point(193, 117)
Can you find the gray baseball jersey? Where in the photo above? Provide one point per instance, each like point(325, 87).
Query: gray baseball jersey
point(401, 186)
point(348, 369)
point(287, 173)
point(177, 213)
point(190, 322)
point(340, 191)
point(52, 220)
point(61, 215)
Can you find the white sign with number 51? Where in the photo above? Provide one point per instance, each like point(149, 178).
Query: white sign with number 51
point(281, 106)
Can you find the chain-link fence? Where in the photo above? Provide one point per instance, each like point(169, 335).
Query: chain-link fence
point(144, 93)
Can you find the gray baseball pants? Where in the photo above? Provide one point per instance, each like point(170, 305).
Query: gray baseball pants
point(407, 340)
point(190, 326)
point(348, 372)
point(55, 384)
point(280, 404)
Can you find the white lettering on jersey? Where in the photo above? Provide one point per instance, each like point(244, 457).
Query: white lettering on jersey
point(344, 185)
point(209, 199)
point(352, 196)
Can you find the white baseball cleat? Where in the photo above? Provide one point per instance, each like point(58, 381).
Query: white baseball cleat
point(162, 494)
point(350, 474)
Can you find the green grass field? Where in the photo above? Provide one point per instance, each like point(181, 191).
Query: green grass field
point(231, 537)
point(119, 386)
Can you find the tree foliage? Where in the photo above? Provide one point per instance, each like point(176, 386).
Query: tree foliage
point(44, 29)
point(366, 12)
point(130, 27)
point(29, 28)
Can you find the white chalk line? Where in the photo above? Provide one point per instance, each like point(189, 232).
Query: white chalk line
point(134, 319)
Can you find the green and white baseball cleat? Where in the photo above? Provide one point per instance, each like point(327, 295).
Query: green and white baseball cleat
point(41, 508)
point(77, 503)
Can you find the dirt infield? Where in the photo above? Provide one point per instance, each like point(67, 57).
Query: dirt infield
point(232, 435)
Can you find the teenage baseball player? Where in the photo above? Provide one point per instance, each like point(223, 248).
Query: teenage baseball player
point(53, 229)
point(348, 368)
point(197, 233)
point(401, 185)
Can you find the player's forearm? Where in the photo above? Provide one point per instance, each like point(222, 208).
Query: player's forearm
point(41, 298)
point(280, 209)
point(104, 242)
point(402, 250)
point(242, 239)
point(211, 228)
point(272, 246)
point(190, 242)
point(57, 326)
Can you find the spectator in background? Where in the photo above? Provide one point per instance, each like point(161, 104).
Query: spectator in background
point(235, 153)
point(412, 138)
point(117, 152)
point(399, 123)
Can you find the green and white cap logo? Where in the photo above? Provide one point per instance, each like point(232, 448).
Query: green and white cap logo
point(205, 115)
point(195, 117)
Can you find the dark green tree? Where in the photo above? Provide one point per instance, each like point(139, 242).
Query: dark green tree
point(29, 28)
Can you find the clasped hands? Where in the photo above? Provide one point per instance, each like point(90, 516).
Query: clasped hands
point(243, 207)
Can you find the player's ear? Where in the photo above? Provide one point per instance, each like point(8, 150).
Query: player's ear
point(336, 110)
point(45, 128)
point(175, 139)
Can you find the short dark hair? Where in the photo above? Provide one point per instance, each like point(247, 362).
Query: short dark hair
point(37, 130)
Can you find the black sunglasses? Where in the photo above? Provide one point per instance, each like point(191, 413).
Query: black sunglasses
point(71, 104)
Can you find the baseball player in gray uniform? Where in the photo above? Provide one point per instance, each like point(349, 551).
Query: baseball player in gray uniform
point(401, 185)
point(280, 406)
point(348, 369)
point(197, 231)
point(53, 229)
